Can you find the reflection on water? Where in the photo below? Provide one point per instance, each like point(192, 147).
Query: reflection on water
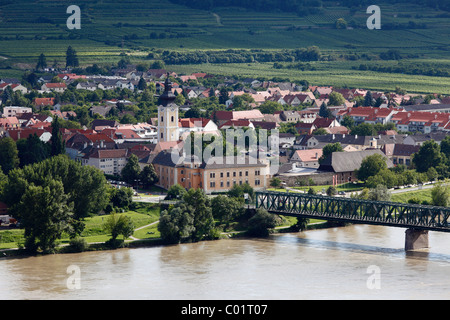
point(319, 264)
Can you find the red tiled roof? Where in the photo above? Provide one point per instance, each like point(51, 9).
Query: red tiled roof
point(309, 155)
point(55, 85)
point(17, 134)
point(44, 101)
point(193, 122)
point(109, 153)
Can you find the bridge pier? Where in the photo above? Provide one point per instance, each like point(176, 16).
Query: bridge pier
point(416, 239)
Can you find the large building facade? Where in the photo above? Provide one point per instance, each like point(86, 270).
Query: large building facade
point(214, 175)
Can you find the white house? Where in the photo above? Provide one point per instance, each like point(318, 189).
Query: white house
point(110, 161)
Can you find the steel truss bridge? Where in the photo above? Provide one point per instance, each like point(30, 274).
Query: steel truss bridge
point(411, 216)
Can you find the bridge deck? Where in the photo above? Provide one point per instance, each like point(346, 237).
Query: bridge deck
point(356, 210)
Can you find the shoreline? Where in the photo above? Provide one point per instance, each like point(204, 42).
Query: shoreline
point(148, 243)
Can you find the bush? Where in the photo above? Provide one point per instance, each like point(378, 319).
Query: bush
point(260, 223)
point(78, 245)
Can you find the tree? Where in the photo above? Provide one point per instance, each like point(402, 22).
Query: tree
point(9, 155)
point(368, 99)
point(260, 223)
point(320, 132)
point(142, 85)
point(44, 213)
point(341, 23)
point(116, 226)
point(379, 193)
point(275, 182)
point(175, 192)
point(203, 218)
point(177, 223)
point(225, 209)
point(370, 166)
point(445, 146)
point(329, 149)
point(122, 197)
point(238, 192)
point(42, 62)
point(71, 58)
point(32, 150)
point(131, 171)
point(58, 145)
point(429, 155)
point(324, 112)
point(364, 129)
point(85, 186)
point(331, 191)
point(269, 107)
point(148, 176)
point(223, 96)
point(440, 195)
point(336, 99)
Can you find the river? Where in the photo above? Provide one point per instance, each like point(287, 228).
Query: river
point(354, 262)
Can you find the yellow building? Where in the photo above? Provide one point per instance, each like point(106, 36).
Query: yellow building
point(218, 174)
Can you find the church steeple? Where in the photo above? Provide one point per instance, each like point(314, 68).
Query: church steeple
point(168, 115)
point(167, 97)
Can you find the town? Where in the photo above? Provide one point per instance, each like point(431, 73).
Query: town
point(139, 128)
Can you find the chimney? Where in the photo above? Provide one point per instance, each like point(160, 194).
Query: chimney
point(317, 155)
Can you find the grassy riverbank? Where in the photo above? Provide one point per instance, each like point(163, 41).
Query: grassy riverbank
point(145, 219)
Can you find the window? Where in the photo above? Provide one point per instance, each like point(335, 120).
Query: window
point(212, 175)
point(257, 172)
point(257, 182)
point(212, 184)
point(228, 174)
point(172, 119)
point(221, 174)
point(246, 173)
point(234, 174)
point(162, 119)
point(240, 173)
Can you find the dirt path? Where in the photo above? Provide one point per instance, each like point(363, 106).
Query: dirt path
point(148, 225)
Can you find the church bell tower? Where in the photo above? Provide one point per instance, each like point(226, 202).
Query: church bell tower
point(168, 115)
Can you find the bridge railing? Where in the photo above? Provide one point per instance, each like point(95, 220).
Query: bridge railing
point(355, 210)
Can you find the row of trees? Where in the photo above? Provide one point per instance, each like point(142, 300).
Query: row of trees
point(51, 197)
point(241, 56)
point(430, 163)
point(193, 217)
point(71, 60)
point(30, 150)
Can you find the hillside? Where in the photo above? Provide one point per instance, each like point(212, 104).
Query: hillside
point(138, 27)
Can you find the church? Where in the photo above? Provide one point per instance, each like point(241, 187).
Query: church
point(168, 115)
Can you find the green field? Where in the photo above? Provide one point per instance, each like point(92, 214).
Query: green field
point(334, 73)
point(137, 27)
point(143, 215)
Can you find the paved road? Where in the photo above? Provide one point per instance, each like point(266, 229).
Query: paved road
point(147, 199)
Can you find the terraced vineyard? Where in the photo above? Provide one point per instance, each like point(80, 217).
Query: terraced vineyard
point(137, 27)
